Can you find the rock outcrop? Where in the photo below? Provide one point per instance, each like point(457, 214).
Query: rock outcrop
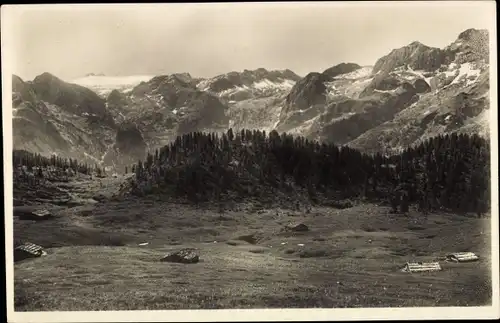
point(183, 256)
point(416, 55)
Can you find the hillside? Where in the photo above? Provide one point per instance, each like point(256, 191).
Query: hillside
point(234, 199)
point(447, 172)
point(50, 116)
point(104, 246)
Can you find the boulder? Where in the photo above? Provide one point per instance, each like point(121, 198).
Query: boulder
point(183, 256)
point(297, 227)
point(31, 213)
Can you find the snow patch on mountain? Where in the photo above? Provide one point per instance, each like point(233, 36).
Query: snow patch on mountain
point(418, 74)
point(467, 70)
point(266, 84)
point(386, 91)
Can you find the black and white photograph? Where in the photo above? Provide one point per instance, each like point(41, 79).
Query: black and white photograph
point(250, 161)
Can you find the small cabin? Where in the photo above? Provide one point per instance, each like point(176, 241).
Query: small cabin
point(29, 213)
point(413, 267)
point(462, 257)
point(28, 250)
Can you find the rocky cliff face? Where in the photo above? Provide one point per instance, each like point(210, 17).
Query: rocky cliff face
point(237, 86)
point(412, 93)
point(254, 97)
point(72, 98)
point(128, 148)
point(416, 55)
point(52, 116)
point(170, 105)
point(457, 101)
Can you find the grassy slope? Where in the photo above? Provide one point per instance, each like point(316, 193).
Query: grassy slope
point(350, 258)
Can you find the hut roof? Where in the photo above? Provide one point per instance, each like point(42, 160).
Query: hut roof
point(31, 248)
point(462, 256)
point(421, 267)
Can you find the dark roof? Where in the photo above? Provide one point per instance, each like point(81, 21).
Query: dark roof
point(30, 248)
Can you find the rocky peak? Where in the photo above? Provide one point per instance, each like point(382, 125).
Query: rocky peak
point(307, 92)
point(163, 84)
point(472, 34)
point(417, 44)
point(471, 45)
point(274, 75)
point(73, 98)
point(246, 78)
point(184, 77)
point(116, 97)
point(21, 91)
point(172, 80)
point(18, 84)
point(16, 80)
point(48, 79)
point(291, 75)
point(416, 55)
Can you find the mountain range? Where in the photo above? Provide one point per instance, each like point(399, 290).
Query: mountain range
point(412, 93)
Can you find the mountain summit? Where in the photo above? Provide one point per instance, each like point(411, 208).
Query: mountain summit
point(412, 93)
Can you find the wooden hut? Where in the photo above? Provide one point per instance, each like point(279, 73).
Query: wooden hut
point(28, 250)
point(462, 257)
point(421, 267)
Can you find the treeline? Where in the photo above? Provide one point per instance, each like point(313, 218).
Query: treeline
point(450, 171)
point(36, 164)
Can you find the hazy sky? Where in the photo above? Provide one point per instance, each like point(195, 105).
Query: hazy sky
point(210, 39)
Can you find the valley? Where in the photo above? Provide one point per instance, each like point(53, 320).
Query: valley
point(289, 191)
point(349, 257)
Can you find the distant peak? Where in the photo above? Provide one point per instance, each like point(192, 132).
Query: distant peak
point(45, 77)
point(312, 75)
point(95, 74)
point(416, 43)
point(17, 78)
point(260, 70)
point(115, 92)
point(341, 68)
point(182, 75)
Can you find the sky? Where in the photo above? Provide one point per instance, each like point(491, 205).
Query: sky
point(205, 40)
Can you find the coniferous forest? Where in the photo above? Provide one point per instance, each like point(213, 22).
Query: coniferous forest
point(450, 172)
point(31, 168)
